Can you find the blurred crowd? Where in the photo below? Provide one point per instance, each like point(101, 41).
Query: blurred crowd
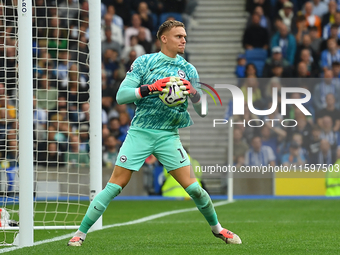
point(61, 73)
point(297, 39)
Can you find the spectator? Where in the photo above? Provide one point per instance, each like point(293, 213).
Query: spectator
point(241, 66)
point(46, 94)
point(121, 108)
point(132, 58)
point(80, 54)
point(332, 54)
point(142, 40)
point(334, 34)
point(62, 66)
point(276, 59)
point(336, 70)
point(248, 132)
point(275, 128)
point(108, 93)
point(255, 36)
point(274, 82)
point(288, 17)
point(134, 30)
point(50, 158)
point(269, 138)
point(111, 66)
point(116, 19)
point(145, 14)
point(312, 19)
point(74, 157)
point(56, 41)
point(302, 71)
point(240, 148)
point(252, 4)
point(156, 47)
point(57, 132)
point(133, 46)
point(104, 119)
point(124, 120)
point(336, 26)
point(110, 154)
point(84, 139)
point(277, 70)
point(287, 42)
point(84, 114)
point(303, 128)
point(314, 144)
point(264, 20)
point(319, 8)
point(293, 157)
point(312, 65)
point(257, 99)
point(259, 154)
point(324, 155)
point(277, 6)
point(77, 90)
point(251, 70)
point(108, 43)
point(327, 132)
point(315, 40)
point(116, 32)
point(12, 153)
point(54, 157)
point(306, 44)
point(45, 65)
point(68, 11)
point(330, 15)
point(327, 86)
point(330, 111)
point(302, 28)
point(39, 121)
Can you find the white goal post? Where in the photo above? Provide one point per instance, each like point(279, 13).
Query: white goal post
point(26, 168)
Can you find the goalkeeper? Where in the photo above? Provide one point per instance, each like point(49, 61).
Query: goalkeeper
point(155, 126)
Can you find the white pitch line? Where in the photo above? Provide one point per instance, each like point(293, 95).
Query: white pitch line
point(141, 220)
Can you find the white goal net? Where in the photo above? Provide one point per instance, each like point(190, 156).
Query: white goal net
point(60, 116)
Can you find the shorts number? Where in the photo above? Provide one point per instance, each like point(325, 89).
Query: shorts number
point(180, 151)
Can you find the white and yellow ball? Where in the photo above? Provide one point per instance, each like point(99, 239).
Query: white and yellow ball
point(172, 95)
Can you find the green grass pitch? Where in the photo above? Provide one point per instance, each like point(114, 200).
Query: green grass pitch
point(265, 227)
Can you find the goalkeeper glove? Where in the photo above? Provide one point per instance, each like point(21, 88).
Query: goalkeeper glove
point(190, 90)
point(154, 88)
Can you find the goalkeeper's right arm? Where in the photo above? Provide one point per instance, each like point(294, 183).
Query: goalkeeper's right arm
point(129, 91)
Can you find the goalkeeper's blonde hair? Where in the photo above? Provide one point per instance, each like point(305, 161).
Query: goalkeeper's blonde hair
point(167, 26)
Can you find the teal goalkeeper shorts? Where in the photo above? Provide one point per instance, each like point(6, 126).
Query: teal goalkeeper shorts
point(140, 143)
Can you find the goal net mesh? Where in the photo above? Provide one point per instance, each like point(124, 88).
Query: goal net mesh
point(60, 116)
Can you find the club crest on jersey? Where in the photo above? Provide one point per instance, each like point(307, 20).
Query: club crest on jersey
point(181, 74)
point(131, 68)
point(123, 159)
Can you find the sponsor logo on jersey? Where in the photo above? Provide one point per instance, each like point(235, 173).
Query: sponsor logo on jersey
point(181, 74)
point(123, 158)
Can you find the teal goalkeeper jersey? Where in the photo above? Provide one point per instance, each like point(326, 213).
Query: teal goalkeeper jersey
point(151, 112)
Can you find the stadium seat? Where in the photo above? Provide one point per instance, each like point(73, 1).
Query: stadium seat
point(164, 16)
point(258, 58)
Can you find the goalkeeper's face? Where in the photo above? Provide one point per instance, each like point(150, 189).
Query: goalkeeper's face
point(175, 40)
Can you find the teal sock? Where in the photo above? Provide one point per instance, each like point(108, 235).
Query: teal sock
point(203, 203)
point(99, 205)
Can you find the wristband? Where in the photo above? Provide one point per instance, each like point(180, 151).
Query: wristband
point(195, 97)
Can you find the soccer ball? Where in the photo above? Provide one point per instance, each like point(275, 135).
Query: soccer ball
point(172, 95)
